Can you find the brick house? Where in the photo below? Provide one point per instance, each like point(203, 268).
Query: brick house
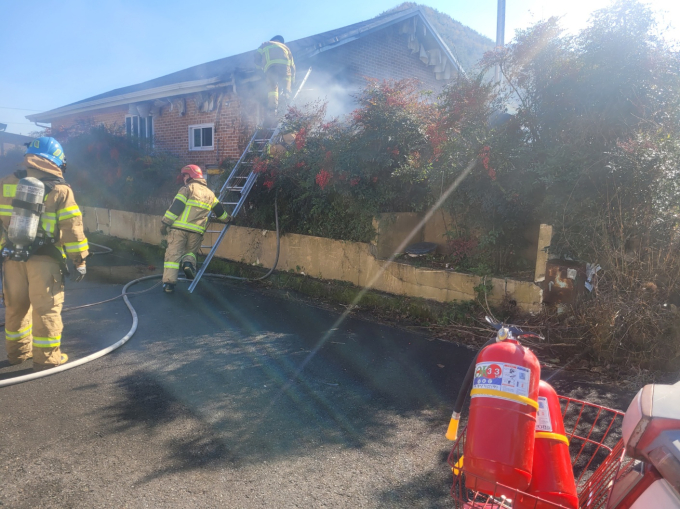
point(203, 114)
point(9, 141)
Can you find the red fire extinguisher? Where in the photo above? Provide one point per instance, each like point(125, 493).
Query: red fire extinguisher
point(553, 476)
point(499, 446)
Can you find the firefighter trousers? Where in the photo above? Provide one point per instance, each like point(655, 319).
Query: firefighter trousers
point(278, 78)
point(182, 247)
point(34, 296)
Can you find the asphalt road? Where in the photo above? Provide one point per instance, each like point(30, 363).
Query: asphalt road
point(233, 397)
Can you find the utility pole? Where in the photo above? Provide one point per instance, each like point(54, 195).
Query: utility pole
point(500, 34)
point(2, 142)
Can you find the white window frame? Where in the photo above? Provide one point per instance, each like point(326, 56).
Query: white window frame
point(191, 136)
point(149, 135)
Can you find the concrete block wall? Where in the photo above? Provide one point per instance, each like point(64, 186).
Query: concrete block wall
point(123, 224)
point(326, 259)
point(392, 229)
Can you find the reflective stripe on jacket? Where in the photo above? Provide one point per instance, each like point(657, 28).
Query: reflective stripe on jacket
point(61, 215)
point(274, 53)
point(191, 208)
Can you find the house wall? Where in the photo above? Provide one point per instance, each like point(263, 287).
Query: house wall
point(382, 55)
point(337, 75)
point(112, 118)
point(4, 147)
point(172, 131)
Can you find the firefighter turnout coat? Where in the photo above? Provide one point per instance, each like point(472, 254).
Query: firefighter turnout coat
point(187, 218)
point(34, 289)
point(276, 60)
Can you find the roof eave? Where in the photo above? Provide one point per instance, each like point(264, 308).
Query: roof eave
point(189, 87)
point(360, 32)
point(446, 48)
point(352, 36)
point(186, 87)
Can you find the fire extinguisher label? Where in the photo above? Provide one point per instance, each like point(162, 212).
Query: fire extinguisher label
point(543, 422)
point(502, 376)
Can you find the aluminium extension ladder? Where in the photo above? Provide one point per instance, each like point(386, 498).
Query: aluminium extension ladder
point(235, 189)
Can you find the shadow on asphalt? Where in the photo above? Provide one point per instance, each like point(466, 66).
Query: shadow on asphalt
point(213, 381)
point(421, 487)
point(229, 356)
point(149, 406)
point(15, 370)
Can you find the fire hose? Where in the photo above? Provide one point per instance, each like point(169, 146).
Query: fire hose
point(135, 320)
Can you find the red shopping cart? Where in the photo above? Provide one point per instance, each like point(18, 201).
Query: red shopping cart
point(596, 452)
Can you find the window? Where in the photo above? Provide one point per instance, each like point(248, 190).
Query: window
point(201, 137)
point(140, 128)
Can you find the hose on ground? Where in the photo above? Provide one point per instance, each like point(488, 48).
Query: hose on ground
point(106, 250)
point(124, 295)
point(79, 362)
point(278, 251)
point(91, 357)
point(452, 432)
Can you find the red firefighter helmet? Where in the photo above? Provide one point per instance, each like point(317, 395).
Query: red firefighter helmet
point(193, 171)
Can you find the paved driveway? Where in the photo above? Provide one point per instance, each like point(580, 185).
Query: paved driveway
point(231, 397)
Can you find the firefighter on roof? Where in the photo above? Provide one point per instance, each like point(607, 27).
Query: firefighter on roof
point(276, 60)
point(41, 224)
point(187, 219)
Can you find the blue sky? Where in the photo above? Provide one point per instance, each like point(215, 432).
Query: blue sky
point(58, 52)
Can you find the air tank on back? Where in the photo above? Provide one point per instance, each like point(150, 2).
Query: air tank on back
point(26, 209)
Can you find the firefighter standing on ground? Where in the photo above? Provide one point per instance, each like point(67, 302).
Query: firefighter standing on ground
point(34, 288)
point(187, 219)
point(276, 60)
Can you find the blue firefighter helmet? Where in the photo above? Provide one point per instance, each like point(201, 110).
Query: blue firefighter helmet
point(47, 148)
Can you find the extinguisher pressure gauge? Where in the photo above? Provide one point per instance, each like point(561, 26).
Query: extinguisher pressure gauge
point(503, 334)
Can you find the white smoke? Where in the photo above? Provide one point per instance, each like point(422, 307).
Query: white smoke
point(339, 94)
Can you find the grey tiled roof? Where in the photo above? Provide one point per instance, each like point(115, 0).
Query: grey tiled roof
point(223, 68)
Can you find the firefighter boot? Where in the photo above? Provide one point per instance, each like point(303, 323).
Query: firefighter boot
point(189, 270)
point(43, 367)
point(21, 359)
point(168, 287)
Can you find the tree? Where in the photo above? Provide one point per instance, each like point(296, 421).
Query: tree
point(596, 126)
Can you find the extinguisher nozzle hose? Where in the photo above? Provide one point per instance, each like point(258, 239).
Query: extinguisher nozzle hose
point(452, 432)
point(462, 394)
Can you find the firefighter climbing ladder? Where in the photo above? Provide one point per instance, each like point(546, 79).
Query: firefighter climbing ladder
point(235, 190)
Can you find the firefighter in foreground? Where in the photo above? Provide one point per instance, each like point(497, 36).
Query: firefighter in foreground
point(187, 219)
point(276, 60)
point(41, 224)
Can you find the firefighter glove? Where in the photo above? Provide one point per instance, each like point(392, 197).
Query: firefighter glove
point(164, 229)
point(81, 271)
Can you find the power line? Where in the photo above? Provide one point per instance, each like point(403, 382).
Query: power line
point(20, 109)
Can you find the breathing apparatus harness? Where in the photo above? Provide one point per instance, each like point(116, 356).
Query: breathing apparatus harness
point(26, 235)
